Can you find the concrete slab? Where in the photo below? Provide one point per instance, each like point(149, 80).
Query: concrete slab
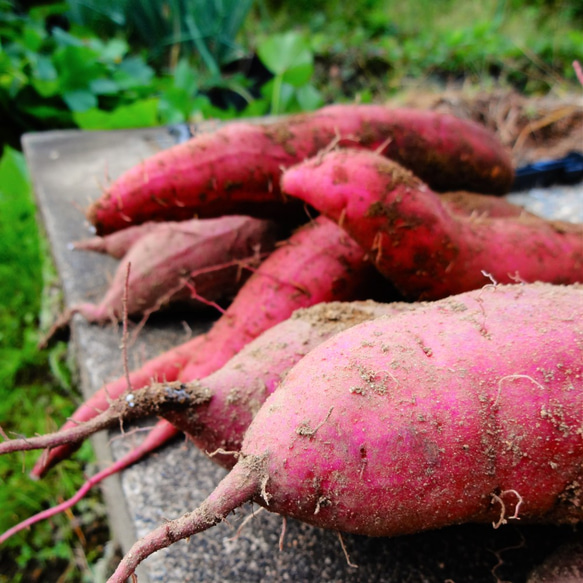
point(68, 169)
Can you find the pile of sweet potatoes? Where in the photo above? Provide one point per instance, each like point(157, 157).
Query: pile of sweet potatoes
point(377, 419)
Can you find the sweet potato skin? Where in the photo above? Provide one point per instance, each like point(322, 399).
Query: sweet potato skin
point(237, 168)
point(318, 263)
point(467, 410)
point(425, 250)
point(431, 414)
point(235, 393)
point(482, 205)
point(119, 243)
point(163, 259)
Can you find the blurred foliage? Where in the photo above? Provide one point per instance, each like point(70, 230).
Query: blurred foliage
point(380, 45)
point(36, 394)
point(167, 29)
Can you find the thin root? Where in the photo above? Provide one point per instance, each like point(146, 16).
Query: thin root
point(344, 549)
point(221, 451)
point(124, 339)
point(503, 518)
point(282, 535)
point(246, 521)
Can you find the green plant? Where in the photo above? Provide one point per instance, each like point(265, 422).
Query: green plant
point(291, 60)
point(206, 28)
point(33, 381)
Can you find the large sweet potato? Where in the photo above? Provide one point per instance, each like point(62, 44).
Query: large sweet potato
point(465, 410)
point(238, 167)
point(413, 239)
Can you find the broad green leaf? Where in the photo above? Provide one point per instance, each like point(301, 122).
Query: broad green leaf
point(44, 69)
point(44, 76)
point(184, 77)
point(46, 88)
point(133, 72)
point(104, 86)
point(282, 52)
point(142, 113)
point(77, 67)
point(49, 112)
point(111, 51)
point(257, 108)
point(33, 37)
point(80, 100)
point(309, 98)
point(174, 105)
point(286, 95)
point(65, 39)
point(299, 75)
point(114, 50)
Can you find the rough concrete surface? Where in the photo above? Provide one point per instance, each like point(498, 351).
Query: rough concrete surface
point(69, 169)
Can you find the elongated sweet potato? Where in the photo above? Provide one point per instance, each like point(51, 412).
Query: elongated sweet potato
point(166, 262)
point(119, 243)
point(237, 390)
point(482, 205)
point(238, 167)
point(466, 410)
point(318, 263)
point(426, 251)
point(216, 411)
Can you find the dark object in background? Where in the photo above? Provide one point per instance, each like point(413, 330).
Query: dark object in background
point(256, 75)
point(566, 170)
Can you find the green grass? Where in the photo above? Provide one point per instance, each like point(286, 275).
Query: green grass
point(35, 397)
point(526, 44)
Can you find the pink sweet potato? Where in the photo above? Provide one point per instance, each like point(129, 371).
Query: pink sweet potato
point(426, 251)
point(166, 262)
point(119, 243)
point(237, 390)
point(482, 205)
point(318, 263)
point(465, 410)
point(216, 411)
point(238, 167)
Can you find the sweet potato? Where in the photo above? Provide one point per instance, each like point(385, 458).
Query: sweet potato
point(237, 168)
point(216, 411)
point(166, 262)
point(481, 205)
point(426, 251)
point(466, 410)
point(237, 391)
point(119, 243)
point(318, 263)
